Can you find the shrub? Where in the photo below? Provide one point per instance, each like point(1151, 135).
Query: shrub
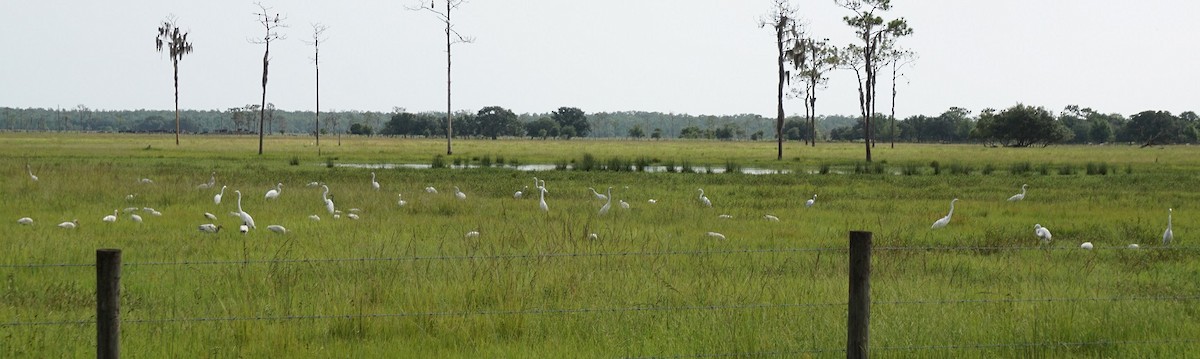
point(486, 161)
point(669, 165)
point(1043, 169)
point(732, 167)
point(1066, 169)
point(824, 169)
point(686, 167)
point(588, 163)
point(1020, 168)
point(457, 162)
point(641, 163)
point(937, 167)
point(988, 169)
point(438, 162)
point(500, 161)
point(295, 161)
point(1097, 168)
point(910, 170)
point(328, 162)
point(960, 169)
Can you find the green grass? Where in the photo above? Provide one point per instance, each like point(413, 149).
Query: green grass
point(507, 293)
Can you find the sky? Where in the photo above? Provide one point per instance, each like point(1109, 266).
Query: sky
point(700, 57)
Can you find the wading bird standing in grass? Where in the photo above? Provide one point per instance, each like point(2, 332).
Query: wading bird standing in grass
point(520, 193)
point(703, 198)
point(212, 181)
point(69, 225)
point(624, 205)
point(314, 217)
point(945, 220)
point(1086, 245)
point(210, 216)
point(1042, 232)
point(374, 185)
point(217, 198)
point(328, 201)
point(1167, 235)
point(25, 221)
point(771, 218)
point(110, 218)
point(607, 204)
point(542, 199)
point(277, 228)
point(210, 228)
point(810, 202)
point(459, 193)
point(473, 234)
point(401, 202)
point(598, 195)
point(274, 193)
point(249, 221)
point(136, 218)
point(430, 189)
point(31, 176)
point(1018, 196)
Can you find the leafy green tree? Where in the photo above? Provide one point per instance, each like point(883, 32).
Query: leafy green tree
point(1154, 127)
point(568, 132)
point(574, 118)
point(361, 129)
point(544, 127)
point(656, 134)
point(788, 33)
point(637, 132)
point(497, 121)
point(177, 45)
point(1021, 126)
point(875, 34)
point(1100, 130)
point(691, 132)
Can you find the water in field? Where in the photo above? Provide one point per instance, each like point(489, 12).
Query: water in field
point(551, 167)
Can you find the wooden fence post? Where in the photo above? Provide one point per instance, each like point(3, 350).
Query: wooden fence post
point(108, 303)
point(859, 318)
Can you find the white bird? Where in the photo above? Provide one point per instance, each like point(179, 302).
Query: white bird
point(624, 205)
point(145, 181)
point(652, 201)
point(725, 216)
point(598, 195)
point(276, 228)
point(521, 193)
point(1133, 246)
point(459, 193)
point(136, 218)
point(771, 218)
point(542, 199)
point(716, 235)
point(314, 217)
point(129, 197)
point(69, 225)
point(249, 221)
point(210, 216)
point(274, 193)
point(156, 213)
point(374, 185)
point(111, 218)
point(25, 220)
point(430, 189)
point(607, 204)
point(129, 209)
point(313, 184)
point(1086, 245)
point(945, 220)
point(243, 228)
point(472, 234)
point(1042, 232)
point(352, 216)
point(148, 210)
point(401, 202)
point(593, 236)
point(31, 176)
point(1018, 196)
point(217, 198)
point(355, 210)
point(212, 181)
point(210, 228)
point(703, 198)
point(1167, 235)
point(328, 202)
point(810, 202)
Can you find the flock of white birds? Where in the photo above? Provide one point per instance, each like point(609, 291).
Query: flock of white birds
point(247, 221)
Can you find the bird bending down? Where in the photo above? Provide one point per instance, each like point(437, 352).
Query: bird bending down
point(274, 193)
point(1086, 245)
point(136, 218)
point(472, 234)
point(1042, 232)
point(716, 235)
point(810, 202)
point(945, 220)
point(314, 217)
point(111, 218)
point(69, 225)
point(520, 193)
point(771, 218)
point(249, 221)
point(210, 216)
point(212, 181)
point(1018, 196)
point(430, 189)
point(1167, 235)
point(277, 228)
point(459, 193)
point(374, 185)
point(217, 198)
point(703, 198)
point(598, 195)
point(210, 228)
point(25, 220)
point(624, 205)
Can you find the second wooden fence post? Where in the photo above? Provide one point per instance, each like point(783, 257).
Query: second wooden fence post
point(859, 318)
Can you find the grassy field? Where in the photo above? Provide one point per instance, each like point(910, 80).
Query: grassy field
point(407, 282)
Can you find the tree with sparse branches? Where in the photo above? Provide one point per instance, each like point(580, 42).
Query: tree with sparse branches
point(788, 33)
point(898, 58)
point(874, 32)
point(177, 45)
point(271, 24)
point(317, 38)
point(452, 37)
point(821, 57)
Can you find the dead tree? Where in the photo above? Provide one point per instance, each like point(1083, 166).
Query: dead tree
point(782, 19)
point(452, 37)
point(318, 32)
point(271, 25)
point(176, 42)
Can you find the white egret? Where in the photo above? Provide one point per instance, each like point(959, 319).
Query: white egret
point(136, 218)
point(243, 228)
point(703, 198)
point(25, 220)
point(1168, 235)
point(771, 218)
point(210, 216)
point(945, 220)
point(1042, 232)
point(328, 202)
point(593, 236)
point(542, 199)
point(716, 235)
point(212, 181)
point(624, 205)
point(374, 185)
point(210, 228)
point(274, 193)
point(217, 198)
point(145, 181)
point(430, 189)
point(129, 197)
point(598, 195)
point(129, 209)
point(31, 176)
point(401, 202)
point(1018, 196)
point(725, 216)
point(314, 217)
point(459, 193)
point(111, 218)
point(607, 204)
point(148, 210)
point(277, 228)
point(472, 234)
point(313, 184)
point(1133, 246)
point(652, 201)
point(249, 221)
point(520, 193)
point(810, 202)
point(352, 216)
point(1086, 245)
point(69, 225)
point(156, 213)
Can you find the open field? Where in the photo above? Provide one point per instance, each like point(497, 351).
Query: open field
point(406, 282)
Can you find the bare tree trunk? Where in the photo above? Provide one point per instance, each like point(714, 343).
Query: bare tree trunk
point(262, 111)
point(893, 115)
point(779, 95)
point(449, 115)
point(175, 63)
point(317, 65)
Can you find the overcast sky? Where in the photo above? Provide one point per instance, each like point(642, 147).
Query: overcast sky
point(682, 56)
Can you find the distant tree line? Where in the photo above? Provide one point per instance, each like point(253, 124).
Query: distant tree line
point(1016, 126)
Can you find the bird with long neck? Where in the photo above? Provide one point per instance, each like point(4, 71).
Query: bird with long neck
point(1019, 196)
point(1167, 235)
point(607, 204)
point(217, 198)
point(374, 185)
point(945, 220)
point(542, 199)
point(249, 221)
point(328, 202)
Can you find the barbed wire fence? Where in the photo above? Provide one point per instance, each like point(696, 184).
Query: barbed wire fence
point(93, 322)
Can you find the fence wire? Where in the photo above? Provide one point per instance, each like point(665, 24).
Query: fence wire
point(975, 346)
